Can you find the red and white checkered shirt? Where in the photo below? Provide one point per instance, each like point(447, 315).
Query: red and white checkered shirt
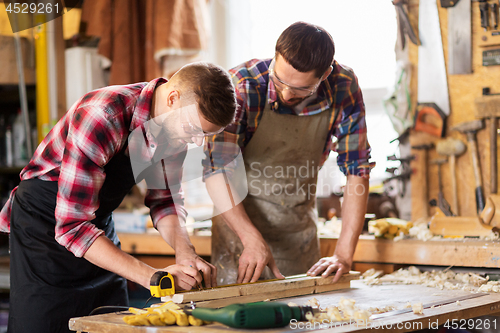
point(75, 152)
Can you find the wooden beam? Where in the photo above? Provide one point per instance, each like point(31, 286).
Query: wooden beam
point(262, 290)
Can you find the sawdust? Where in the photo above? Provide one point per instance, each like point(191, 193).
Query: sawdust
point(443, 280)
point(346, 310)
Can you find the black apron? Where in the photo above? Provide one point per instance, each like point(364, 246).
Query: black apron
point(48, 284)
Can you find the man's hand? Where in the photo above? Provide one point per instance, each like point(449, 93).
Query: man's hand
point(328, 265)
point(254, 258)
point(185, 277)
point(208, 270)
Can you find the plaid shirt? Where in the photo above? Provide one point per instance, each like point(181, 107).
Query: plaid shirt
point(339, 91)
point(75, 152)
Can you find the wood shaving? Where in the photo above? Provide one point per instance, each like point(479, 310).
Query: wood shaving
point(446, 279)
point(382, 310)
point(313, 302)
point(346, 310)
point(417, 308)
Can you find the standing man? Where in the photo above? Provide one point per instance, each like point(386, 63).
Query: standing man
point(65, 255)
point(290, 109)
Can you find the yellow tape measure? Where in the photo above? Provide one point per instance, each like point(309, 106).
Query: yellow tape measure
point(162, 284)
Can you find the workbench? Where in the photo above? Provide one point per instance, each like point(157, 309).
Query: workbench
point(365, 297)
point(468, 252)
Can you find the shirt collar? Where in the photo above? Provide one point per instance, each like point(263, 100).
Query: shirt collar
point(142, 111)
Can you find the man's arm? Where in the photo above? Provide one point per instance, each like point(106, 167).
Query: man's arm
point(173, 231)
point(105, 254)
point(256, 254)
point(353, 217)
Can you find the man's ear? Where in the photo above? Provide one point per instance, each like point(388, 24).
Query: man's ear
point(327, 73)
point(173, 96)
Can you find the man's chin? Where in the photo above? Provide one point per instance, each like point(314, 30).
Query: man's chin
point(291, 103)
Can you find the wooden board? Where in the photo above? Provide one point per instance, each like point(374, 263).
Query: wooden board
point(260, 291)
point(365, 297)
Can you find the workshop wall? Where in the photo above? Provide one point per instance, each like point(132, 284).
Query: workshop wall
point(463, 90)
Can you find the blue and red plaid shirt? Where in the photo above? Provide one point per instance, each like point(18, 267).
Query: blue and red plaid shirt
point(75, 152)
point(339, 91)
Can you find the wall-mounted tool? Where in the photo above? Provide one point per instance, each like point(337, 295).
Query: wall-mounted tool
point(459, 36)
point(422, 170)
point(494, 15)
point(404, 26)
point(432, 79)
point(488, 107)
point(429, 118)
point(441, 202)
point(483, 8)
point(452, 148)
point(470, 129)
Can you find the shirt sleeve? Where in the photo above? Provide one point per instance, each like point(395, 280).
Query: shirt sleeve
point(165, 196)
point(352, 146)
point(89, 145)
point(222, 149)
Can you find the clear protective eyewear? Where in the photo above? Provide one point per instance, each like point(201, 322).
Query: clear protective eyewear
point(191, 127)
point(297, 91)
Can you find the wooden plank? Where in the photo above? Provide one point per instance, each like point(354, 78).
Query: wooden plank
point(262, 290)
point(257, 297)
point(332, 287)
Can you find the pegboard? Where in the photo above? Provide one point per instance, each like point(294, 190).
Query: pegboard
point(463, 90)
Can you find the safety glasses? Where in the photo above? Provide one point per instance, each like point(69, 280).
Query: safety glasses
point(297, 91)
point(193, 127)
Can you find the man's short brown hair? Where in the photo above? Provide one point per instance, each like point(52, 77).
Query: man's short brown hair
point(213, 90)
point(306, 47)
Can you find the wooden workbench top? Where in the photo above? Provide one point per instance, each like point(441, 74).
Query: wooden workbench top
point(446, 252)
point(365, 297)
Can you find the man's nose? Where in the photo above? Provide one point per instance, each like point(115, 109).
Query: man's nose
point(287, 94)
point(198, 140)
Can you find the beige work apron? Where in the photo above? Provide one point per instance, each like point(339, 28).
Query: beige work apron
point(281, 163)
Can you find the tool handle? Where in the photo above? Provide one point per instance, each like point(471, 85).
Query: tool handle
point(454, 189)
point(479, 200)
point(493, 155)
point(483, 7)
point(475, 159)
point(494, 16)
